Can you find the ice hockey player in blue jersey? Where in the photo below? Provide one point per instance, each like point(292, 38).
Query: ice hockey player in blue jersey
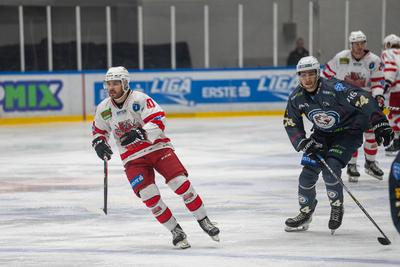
point(394, 191)
point(340, 113)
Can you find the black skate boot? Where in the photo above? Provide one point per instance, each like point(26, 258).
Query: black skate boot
point(372, 169)
point(179, 238)
point(393, 148)
point(353, 173)
point(301, 222)
point(209, 228)
point(336, 218)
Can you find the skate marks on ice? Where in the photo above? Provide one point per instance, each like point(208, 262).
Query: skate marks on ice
point(245, 170)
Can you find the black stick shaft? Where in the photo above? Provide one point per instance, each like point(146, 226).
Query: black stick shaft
point(105, 184)
point(321, 159)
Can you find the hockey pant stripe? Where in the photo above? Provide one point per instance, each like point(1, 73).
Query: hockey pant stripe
point(181, 186)
point(150, 196)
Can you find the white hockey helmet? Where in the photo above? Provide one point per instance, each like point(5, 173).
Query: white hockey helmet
point(308, 63)
point(391, 39)
point(357, 36)
point(118, 74)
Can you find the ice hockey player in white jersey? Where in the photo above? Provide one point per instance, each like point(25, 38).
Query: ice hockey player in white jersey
point(137, 123)
point(391, 60)
point(362, 68)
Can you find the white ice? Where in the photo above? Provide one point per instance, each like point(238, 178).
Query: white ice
point(245, 169)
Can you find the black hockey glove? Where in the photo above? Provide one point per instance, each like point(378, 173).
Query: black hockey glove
point(383, 133)
point(380, 99)
point(102, 148)
point(311, 148)
point(132, 136)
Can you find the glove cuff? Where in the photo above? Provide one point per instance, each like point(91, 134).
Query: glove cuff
point(380, 124)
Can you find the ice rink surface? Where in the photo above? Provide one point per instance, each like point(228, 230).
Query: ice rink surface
point(245, 169)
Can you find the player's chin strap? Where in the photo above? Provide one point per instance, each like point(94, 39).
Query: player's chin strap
point(382, 240)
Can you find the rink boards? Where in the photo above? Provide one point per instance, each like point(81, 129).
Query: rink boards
point(71, 96)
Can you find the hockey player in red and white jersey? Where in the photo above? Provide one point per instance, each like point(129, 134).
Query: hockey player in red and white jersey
point(391, 60)
point(360, 67)
point(137, 124)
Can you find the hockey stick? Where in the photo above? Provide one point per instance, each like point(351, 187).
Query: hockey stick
point(383, 240)
point(105, 184)
point(392, 108)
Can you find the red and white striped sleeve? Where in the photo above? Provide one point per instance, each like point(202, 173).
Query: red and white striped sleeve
point(100, 128)
point(153, 117)
point(377, 79)
point(390, 67)
point(330, 68)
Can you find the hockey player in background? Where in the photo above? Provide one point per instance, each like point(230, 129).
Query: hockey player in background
point(137, 123)
point(391, 60)
point(340, 113)
point(362, 68)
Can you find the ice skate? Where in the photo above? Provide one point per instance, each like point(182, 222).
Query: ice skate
point(209, 228)
point(372, 169)
point(336, 218)
point(179, 238)
point(299, 223)
point(393, 149)
point(353, 173)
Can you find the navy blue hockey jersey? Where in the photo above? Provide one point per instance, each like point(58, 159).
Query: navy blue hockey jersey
point(334, 107)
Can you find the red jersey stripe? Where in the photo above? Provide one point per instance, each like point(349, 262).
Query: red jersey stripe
point(152, 116)
point(377, 79)
point(329, 68)
point(96, 130)
point(136, 148)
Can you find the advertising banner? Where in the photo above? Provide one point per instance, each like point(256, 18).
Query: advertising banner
point(204, 90)
point(40, 95)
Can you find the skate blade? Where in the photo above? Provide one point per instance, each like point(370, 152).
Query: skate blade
point(297, 229)
point(353, 179)
point(333, 231)
point(215, 238)
point(370, 173)
point(184, 244)
point(391, 154)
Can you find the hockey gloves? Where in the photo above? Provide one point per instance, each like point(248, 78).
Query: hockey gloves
point(102, 148)
point(311, 148)
point(132, 136)
point(383, 133)
point(380, 99)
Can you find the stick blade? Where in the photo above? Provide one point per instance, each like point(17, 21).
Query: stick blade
point(384, 241)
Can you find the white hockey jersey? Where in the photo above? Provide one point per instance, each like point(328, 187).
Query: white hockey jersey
point(138, 110)
point(366, 73)
point(391, 70)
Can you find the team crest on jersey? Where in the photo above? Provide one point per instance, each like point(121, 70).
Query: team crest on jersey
point(344, 60)
point(324, 119)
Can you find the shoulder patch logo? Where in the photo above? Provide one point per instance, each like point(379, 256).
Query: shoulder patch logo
point(106, 114)
point(136, 107)
point(344, 60)
point(339, 87)
point(371, 65)
point(362, 101)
